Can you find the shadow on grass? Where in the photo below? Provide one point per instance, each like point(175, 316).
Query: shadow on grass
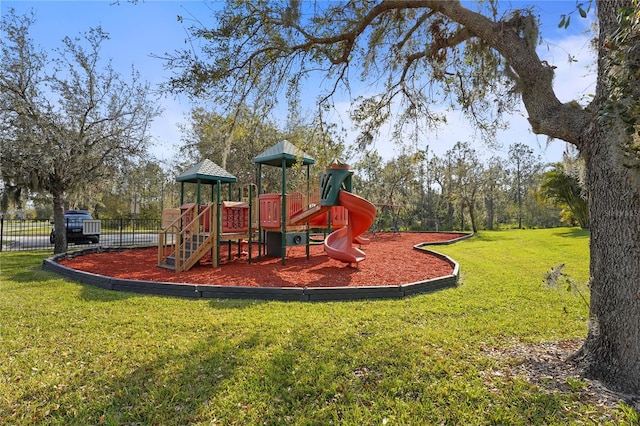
point(488, 236)
point(512, 234)
point(12, 263)
point(25, 272)
point(573, 233)
point(174, 387)
point(261, 377)
point(218, 377)
point(91, 293)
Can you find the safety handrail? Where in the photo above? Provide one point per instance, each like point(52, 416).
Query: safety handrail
point(166, 245)
point(189, 241)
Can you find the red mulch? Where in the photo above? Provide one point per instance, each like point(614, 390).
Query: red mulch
point(391, 260)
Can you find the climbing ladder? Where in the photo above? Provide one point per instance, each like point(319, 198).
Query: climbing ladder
point(187, 239)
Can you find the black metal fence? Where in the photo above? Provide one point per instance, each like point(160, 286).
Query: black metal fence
point(34, 234)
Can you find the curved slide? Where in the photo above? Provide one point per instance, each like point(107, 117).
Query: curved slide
point(339, 244)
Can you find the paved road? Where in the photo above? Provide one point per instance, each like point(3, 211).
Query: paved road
point(32, 242)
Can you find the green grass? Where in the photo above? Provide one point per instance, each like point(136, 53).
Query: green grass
point(75, 354)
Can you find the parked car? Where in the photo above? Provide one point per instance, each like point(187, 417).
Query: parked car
point(74, 227)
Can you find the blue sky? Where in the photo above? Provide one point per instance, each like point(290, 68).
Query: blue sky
point(151, 27)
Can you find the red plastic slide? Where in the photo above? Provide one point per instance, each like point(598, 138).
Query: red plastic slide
point(339, 244)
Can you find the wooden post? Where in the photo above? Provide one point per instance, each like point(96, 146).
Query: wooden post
point(284, 213)
point(218, 227)
point(260, 236)
point(160, 247)
point(306, 207)
point(250, 213)
point(214, 243)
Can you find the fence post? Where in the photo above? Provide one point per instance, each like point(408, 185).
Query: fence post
point(121, 232)
point(1, 230)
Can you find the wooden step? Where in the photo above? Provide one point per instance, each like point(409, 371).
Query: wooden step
point(193, 249)
point(167, 266)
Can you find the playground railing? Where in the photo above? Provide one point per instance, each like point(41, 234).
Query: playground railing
point(196, 238)
point(310, 197)
point(189, 243)
point(295, 203)
point(271, 206)
point(170, 235)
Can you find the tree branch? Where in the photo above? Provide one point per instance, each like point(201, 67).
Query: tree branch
point(515, 39)
point(459, 37)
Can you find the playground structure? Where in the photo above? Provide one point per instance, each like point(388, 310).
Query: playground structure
point(275, 222)
point(193, 231)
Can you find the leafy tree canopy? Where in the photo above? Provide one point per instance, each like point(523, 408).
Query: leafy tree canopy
point(412, 53)
point(67, 118)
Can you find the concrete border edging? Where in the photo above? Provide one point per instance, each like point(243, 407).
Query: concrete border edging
point(195, 291)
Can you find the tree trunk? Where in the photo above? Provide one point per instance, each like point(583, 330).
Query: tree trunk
point(612, 348)
point(519, 199)
point(611, 352)
point(472, 218)
point(488, 202)
point(60, 241)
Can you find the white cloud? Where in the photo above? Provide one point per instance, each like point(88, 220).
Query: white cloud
point(164, 129)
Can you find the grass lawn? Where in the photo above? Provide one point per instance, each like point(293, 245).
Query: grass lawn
point(75, 354)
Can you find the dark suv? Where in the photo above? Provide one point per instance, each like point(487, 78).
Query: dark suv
point(73, 224)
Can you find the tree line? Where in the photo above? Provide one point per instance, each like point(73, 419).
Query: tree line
point(414, 191)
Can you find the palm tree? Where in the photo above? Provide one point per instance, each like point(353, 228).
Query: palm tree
point(564, 191)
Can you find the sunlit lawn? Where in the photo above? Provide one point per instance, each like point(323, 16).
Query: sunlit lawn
point(75, 354)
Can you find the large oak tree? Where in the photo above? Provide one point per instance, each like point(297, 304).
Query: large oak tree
point(67, 118)
point(426, 52)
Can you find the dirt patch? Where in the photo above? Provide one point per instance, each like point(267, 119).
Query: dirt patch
point(391, 260)
point(549, 366)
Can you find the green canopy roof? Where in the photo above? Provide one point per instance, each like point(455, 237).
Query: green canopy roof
point(283, 150)
point(206, 171)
